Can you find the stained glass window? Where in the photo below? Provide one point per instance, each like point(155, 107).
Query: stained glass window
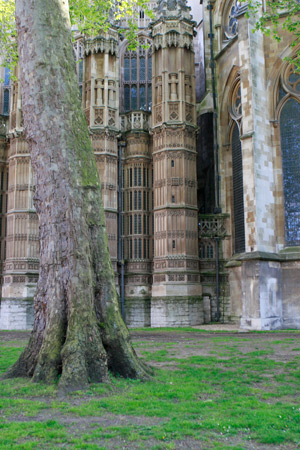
point(142, 68)
point(135, 248)
point(6, 102)
point(149, 68)
point(149, 97)
point(143, 104)
point(134, 69)
point(231, 29)
point(135, 224)
point(126, 69)
point(136, 82)
point(290, 148)
point(133, 97)
point(135, 176)
point(135, 200)
point(126, 98)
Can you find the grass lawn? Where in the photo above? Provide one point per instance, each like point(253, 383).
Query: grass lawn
point(211, 391)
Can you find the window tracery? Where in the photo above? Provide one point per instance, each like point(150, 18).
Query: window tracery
point(288, 116)
point(236, 110)
point(236, 114)
point(231, 25)
point(136, 78)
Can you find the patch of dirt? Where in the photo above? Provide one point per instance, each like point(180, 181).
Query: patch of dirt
point(6, 336)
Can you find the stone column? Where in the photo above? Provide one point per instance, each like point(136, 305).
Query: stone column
point(176, 290)
point(21, 251)
point(3, 189)
point(137, 221)
point(101, 103)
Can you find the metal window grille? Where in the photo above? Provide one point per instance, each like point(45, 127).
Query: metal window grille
point(238, 192)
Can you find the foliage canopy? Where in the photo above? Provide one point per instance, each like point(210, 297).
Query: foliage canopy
point(87, 17)
point(278, 16)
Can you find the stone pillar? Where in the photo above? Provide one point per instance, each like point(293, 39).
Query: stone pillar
point(176, 290)
point(101, 103)
point(3, 189)
point(21, 251)
point(137, 218)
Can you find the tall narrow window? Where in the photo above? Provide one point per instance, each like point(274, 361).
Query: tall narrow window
point(136, 78)
point(135, 224)
point(135, 200)
point(143, 103)
point(134, 68)
point(5, 102)
point(290, 149)
point(126, 98)
point(135, 249)
point(126, 68)
point(133, 97)
point(135, 176)
point(238, 191)
point(142, 68)
point(149, 68)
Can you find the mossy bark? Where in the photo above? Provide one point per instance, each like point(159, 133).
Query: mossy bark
point(78, 330)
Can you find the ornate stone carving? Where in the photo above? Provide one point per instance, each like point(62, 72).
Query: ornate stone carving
point(99, 116)
point(174, 111)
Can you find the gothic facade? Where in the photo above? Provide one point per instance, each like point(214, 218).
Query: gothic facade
point(199, 164)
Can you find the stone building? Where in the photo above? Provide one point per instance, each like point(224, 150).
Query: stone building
point(199, 164)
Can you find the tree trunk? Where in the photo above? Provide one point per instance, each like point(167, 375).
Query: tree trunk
point(78, 330)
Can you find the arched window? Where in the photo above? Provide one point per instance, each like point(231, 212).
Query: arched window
point(231, 19)
point(5, 102)
point(136, 78)
point(238, 191)
point(290, 150)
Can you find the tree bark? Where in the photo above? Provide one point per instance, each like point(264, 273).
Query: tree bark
point(78, 331)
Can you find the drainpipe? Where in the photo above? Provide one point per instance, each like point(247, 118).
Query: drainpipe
point(216, 149)
point(120, 258)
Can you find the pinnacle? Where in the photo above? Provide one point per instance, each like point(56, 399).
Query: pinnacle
point(173, 8)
